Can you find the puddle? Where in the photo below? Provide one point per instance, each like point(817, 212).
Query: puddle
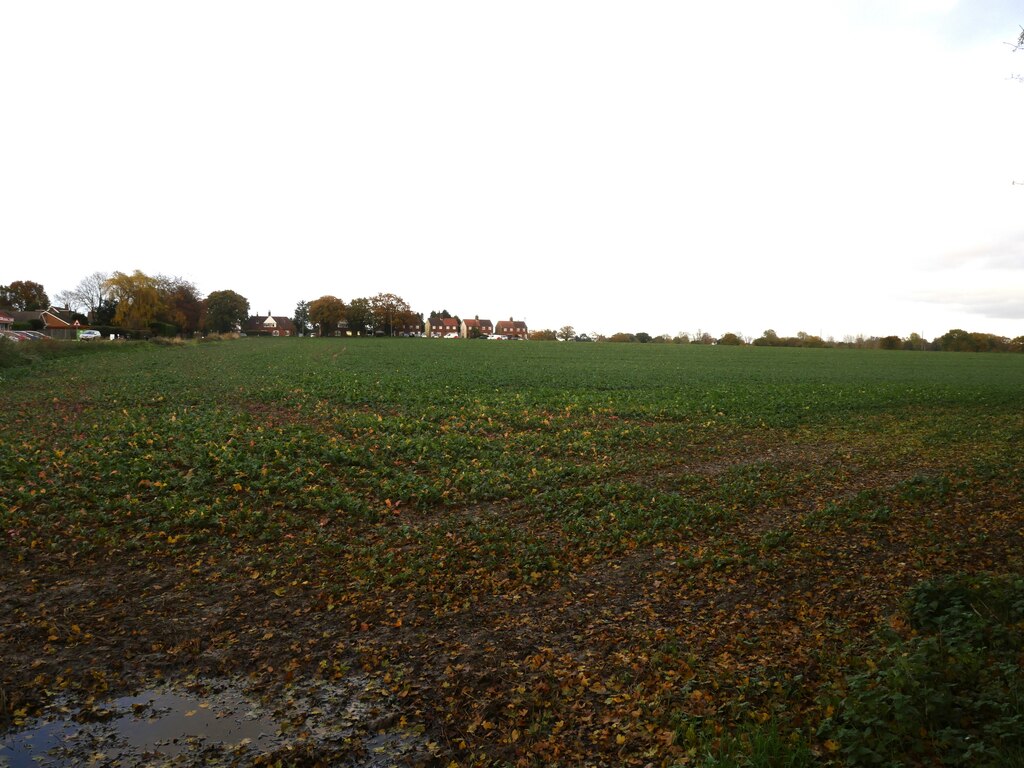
point(208, 724)
point(29, 748)
point(156, 725)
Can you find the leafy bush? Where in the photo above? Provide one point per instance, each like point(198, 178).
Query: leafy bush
point(952, 692)
point(166, 330)
point(219, 337)
point(167, 341)
point(18, 353)
point(27, 353)
point(759, 746)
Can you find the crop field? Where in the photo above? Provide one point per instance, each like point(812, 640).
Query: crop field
point(469, 553)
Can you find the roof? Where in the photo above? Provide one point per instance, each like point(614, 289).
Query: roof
point(54, 317)
point(510, 326)
point(58, 317)
point(268, 322)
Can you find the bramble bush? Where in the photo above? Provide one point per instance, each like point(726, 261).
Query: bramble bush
point(951, 693)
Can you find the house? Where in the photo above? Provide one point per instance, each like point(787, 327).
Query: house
point(470, 329)
point(6, 321)
point(442, 327)
point(512, 329)
point(409, 327)
point(56, 322)
point(271, 325)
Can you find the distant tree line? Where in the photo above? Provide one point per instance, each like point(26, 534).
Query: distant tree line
point(136, 303)
point(141, 304)
point(955, 340)
point(167, 306)
point(383, 314)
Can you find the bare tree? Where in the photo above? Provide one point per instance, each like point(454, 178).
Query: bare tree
point(1014, 47)
point(1018, 45)
point(88, 295)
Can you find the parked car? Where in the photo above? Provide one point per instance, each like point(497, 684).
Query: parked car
point(10, 335)
point(86, 335)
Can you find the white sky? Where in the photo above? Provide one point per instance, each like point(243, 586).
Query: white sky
point(832, 167)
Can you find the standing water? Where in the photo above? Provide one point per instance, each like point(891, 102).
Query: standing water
point(209, 725)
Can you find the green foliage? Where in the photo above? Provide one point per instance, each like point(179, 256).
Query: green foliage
point(167, 340)
point(951, 692)
point(770, 339)
point(24, 296)
point(105, 312)
point(389, 312)
point(163, 329)
point(760, 745)
point(731, 339)
point(225, 311)
point(359, 316)
point(958, 340)
point(326, 313)
point(622, 505)
point(301, 318)
point(180, 306)
point(25, 354)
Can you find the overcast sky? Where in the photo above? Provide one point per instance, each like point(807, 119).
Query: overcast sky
point(838, 168)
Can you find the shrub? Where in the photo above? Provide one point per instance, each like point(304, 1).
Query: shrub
point(219, 337)
point(14, 354)
point(953, 691)
point(749, 745)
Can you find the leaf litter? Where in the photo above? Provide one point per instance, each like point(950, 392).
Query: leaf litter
point(610, 571)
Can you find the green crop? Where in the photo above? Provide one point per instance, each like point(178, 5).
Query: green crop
point(679, 529)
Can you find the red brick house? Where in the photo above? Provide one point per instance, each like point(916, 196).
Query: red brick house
point(271, 325)
point(410, 327)
point(442, 327)
point(512, 329)
point(56, 322)
point(475, 327)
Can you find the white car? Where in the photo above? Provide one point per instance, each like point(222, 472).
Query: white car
point(86, 335)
